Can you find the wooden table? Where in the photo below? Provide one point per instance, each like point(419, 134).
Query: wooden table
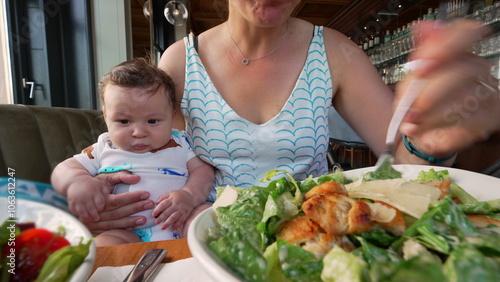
point(129, 254)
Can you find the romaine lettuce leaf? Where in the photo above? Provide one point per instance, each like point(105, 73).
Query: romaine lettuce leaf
point(385, 171)
point(488, 242)
point(298, 264)
point(466, 263)
point(377, 237)
point(337, 176)
point(432, 174)
point(443, 226)
point(461, 194)
point(339, 265)
point(243, 216)
point(373, 254)
point(486, 207)
point(242, 256)
point(276, 212)
point(419, 268)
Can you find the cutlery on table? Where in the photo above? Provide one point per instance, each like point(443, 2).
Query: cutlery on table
point(146, 266)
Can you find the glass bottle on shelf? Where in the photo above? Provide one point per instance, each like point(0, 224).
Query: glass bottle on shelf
point(429, 15)
point(435, 14)
point(387, 37)
point(391, 48)
point(489, 14)
point(365, 44)
point(395, 35)
point(376, 40)
point(496, 10)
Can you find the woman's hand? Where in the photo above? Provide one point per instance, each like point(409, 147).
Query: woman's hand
point(460, 103)
point(118, 208)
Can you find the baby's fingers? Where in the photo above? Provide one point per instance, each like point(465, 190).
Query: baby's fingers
point(100, 202)
point(171, 220)
point(162, 207)
point(180, 222)
point(85, 211)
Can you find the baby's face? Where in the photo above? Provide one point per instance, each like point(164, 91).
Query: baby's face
point(137, 121)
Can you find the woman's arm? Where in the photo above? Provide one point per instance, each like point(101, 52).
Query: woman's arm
point(360, 95)
point(367, 104)
point(173, 61)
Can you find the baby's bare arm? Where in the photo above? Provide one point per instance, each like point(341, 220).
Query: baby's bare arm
point(84, 193)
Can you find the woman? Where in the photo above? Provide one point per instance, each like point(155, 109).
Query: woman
point(262, 68)
point(263, 73)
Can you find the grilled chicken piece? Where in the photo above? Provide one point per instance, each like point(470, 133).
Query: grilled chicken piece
point(329, 211)
point(330, 214)
point(321, 244)
point(397, 226)
point(328, 187)
point(358, 219)
point(298, 230)
point(306, 233)
point(443, 185)
point(482, 221)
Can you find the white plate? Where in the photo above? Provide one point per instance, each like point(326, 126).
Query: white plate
point(482, 187)
point(50, 218)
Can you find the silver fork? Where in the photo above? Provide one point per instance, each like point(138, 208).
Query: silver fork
point(414, 88)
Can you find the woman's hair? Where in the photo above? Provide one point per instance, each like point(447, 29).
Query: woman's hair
point(139, 73)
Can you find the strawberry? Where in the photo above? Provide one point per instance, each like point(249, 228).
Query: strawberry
point(32, 248)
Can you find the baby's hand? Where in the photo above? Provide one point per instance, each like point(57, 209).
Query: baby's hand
point(85, 202)
point(173, 208)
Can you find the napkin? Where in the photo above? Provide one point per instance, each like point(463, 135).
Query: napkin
point(182, 270)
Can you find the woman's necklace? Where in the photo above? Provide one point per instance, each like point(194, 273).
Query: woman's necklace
point(245, 61)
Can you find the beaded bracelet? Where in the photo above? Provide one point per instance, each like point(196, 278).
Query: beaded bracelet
point(414, 151)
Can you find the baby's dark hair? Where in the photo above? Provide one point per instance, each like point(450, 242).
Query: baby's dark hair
point(139, 72)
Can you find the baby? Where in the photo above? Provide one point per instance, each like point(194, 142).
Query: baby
point(138, 108)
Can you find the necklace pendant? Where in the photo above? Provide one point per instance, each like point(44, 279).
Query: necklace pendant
point(245, 61)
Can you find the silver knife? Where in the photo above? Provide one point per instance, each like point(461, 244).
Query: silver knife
point(146, 266)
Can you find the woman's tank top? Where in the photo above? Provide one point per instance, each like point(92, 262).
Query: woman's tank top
point(295, 140)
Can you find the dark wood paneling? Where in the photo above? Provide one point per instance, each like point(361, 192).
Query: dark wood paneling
point(140, 29)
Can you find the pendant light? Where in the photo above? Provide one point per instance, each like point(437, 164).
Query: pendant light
point(146, 11)
point(176, 13)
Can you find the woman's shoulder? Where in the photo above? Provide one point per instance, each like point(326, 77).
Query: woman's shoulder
point(173, 55)
point(331, 34)
point(339, 47)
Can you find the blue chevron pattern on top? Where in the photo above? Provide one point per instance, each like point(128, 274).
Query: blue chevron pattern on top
point(295, 140)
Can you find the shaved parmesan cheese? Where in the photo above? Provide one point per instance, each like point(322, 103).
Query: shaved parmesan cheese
point(381, 213)
point(226, 198)
point(411, 198)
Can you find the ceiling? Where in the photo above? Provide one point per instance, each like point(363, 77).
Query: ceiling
point(346, 16)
